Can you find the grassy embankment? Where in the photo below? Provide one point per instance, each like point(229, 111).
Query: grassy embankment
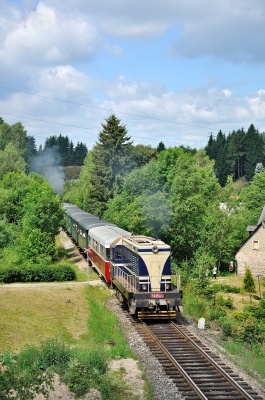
point(73, 316)
point(249, 356)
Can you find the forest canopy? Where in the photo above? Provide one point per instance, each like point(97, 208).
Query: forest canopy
point(236, 154)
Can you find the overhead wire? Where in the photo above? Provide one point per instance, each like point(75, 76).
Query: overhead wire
point(107, 109)
point(74, 126)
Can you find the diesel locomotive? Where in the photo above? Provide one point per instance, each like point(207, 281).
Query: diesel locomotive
point(136, 266)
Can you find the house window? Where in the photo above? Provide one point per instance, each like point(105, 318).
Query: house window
point(255, 244)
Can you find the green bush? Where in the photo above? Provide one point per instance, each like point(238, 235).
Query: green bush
point(249, 284)
point(85, 370)
point(216, 313)
point(241, 316)
point(221, 301)
point(37, 273)
point(226, 288)
point(112, 387)
point(257, 312)
point(53, 354)
point(226, 328)
point(253, 332)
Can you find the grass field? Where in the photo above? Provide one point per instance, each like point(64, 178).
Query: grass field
point(35, 312)
point(63, 328)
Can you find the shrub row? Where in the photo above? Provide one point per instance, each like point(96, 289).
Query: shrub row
point(226, 288)
point(37, 273)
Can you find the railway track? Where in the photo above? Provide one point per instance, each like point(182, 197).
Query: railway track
point(192, 367)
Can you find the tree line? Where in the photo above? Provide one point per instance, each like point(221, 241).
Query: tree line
point(18, 147)
point(69, 153)
point(236, 154)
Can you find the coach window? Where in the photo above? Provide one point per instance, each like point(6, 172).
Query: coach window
point(107, 254)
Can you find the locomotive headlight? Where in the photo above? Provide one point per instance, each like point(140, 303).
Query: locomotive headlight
point(144, 287)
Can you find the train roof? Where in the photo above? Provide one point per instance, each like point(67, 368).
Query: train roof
point(72, 211)
point(106, 235)
point(84, 219)
point(80, 216)
point(142, 242)
point(66, 206)
point(93, 222)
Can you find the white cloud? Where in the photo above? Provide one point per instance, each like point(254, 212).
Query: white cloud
point(193, 108)
point(64, 80)
point(227, 92)
point(256, 103)
point(123, 89)
point(230, 30)
point(48, 36)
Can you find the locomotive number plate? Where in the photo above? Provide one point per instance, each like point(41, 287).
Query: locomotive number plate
point(157, 296)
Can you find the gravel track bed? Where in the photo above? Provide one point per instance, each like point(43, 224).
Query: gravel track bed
point(163, 387)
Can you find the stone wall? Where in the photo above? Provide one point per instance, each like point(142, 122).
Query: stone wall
point(252, 254)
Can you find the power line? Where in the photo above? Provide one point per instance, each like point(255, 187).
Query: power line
point(79, 127)
point(50, 122)
point(107, 109)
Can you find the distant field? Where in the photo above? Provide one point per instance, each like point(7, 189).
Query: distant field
point(72, 172)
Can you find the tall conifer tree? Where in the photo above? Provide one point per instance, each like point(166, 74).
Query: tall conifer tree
point(254, 151)
point(111, 160)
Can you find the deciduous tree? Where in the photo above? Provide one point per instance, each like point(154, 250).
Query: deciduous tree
point(11, 160)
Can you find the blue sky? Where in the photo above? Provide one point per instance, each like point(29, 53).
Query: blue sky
point(172, 71)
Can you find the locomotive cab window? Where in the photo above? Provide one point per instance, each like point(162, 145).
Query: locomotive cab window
point(117, 253)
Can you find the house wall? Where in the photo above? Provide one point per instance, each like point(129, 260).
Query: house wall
point(252, 254)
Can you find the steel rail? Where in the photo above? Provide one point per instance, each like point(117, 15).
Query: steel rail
point(177, 365)
point(214, 364)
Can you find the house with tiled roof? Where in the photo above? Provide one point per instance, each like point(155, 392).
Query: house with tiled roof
point(251, 253)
